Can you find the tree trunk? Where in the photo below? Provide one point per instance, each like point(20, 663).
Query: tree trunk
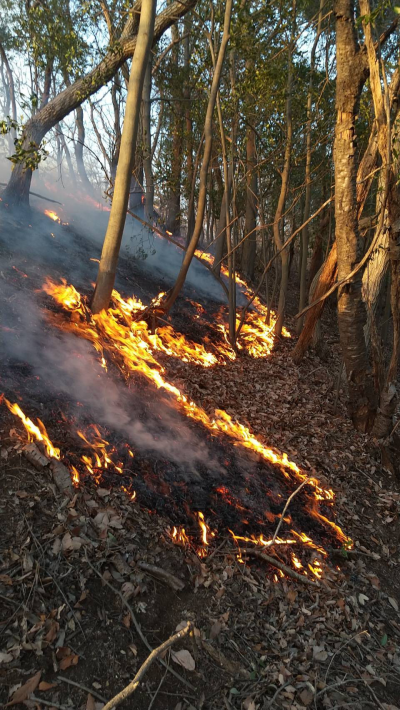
point(17, 190)
point(116, 223)
point(173, 215)
point(326, 278)
point(279, 240)
point(11, 87)
point(351, 314)
point(250, 244)
point(307, 202)
point(208, 140)
point(188, 126)
point(79, 145)
point(147, 164)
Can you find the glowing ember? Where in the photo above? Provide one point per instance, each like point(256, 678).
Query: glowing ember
point(35, 432)
point(53, 215)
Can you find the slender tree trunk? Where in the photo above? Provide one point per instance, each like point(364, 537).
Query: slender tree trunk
point(250, 244)
point(208, 124)
point(79, 145)
point(11, 87)
point(17, 190)
point(307, 202)
point(147, 163)
point(188, 126)
point(278, 231)
point(173, 215)
point(116, 223)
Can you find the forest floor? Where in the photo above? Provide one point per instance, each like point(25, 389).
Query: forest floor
point(75, 606)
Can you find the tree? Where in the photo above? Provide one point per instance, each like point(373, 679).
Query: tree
point(17, 190)
point(116, 222)
point(208, 141)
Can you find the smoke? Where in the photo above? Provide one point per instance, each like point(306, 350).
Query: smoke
point(67, 365)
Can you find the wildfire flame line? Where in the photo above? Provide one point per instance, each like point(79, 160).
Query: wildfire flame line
point(131, 346)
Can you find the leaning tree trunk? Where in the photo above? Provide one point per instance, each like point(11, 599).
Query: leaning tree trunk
point(173, 216)
point(116, 223)
point(17, 190)
point(351, 313)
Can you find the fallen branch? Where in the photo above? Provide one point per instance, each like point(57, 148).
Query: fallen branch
point(131, 687)
point(292, 495)
point(137, 625)
point(170, 579)
point(81, 687)
point(42, 197)
point(280, 565)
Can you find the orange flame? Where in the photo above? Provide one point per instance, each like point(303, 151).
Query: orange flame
point(131, 346)
point(53, 215)
point(35, 432)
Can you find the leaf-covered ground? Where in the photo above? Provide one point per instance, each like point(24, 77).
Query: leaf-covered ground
point(68, 639)
point(78, 611)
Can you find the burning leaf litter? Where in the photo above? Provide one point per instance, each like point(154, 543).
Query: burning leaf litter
point(128, 342)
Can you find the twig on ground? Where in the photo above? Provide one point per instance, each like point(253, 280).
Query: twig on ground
point(137, 625)
point(82, 687)
point(152, 701)
point(292, 495)
point(48, 703)
point(131, 687)
point(170, 579)
point(274, 697)
point(280, 565)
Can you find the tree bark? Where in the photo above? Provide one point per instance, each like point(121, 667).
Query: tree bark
point(279, 240)
point(147, 163)
point(351, 76)
point(116, 223)
point(250, 244)
point(17, 190)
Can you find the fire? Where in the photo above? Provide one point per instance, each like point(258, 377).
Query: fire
point(123, 337)
point(53, 215)
point(35, 432)
point(179, 536)
point(131, 346)
point(256, 336)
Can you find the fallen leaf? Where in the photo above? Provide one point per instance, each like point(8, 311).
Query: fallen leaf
point(90, 703)
point(249, 704)
point(126, 620)
point(306, 697)
point(25, 690)
point(184, 658)
point(44, 685)
point(68, 661)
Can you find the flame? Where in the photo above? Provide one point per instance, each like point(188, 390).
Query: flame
point(53, 215)
point(35, 432)
point(179, 536)
point(120, 333)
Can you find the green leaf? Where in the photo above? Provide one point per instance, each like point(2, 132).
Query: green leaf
point(234, 691)
point(384, 640)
